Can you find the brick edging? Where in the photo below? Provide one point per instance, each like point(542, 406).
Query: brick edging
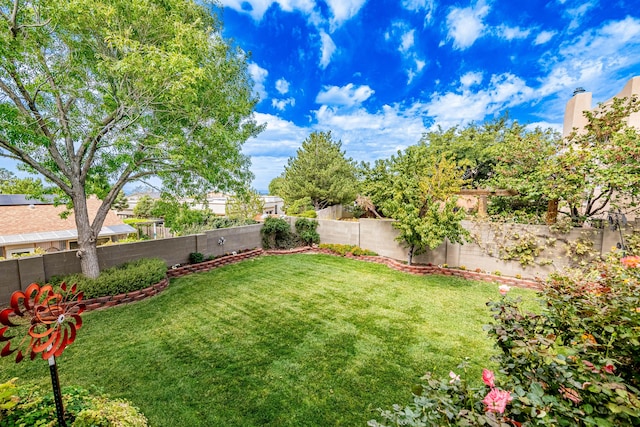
point(113, 300)
point(212, 264)
point(420, 269)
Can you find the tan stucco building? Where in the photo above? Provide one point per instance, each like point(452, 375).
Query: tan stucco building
point(581, 102)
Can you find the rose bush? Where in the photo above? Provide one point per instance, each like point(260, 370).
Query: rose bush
point(577, 363)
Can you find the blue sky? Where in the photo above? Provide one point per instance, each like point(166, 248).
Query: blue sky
point(380, 73)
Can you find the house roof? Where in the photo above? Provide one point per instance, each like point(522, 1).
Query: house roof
point(23, 199)
point(32, 223)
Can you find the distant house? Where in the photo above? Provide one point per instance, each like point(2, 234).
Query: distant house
point(216, 204)
point(27, 224)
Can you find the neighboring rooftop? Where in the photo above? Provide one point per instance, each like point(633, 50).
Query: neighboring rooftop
point(28, 221)
point(24, 200)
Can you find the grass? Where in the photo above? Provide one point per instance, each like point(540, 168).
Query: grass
point(300, 340)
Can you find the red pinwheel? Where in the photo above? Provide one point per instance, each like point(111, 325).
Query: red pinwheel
point(50, 318)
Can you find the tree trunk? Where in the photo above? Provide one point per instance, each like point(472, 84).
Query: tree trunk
point(411, 250)
point(87, 239)
point(552, 212)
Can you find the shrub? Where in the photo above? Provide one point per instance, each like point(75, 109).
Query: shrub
point(306, 229)
point(299, 206)
point(276, 233)
point(128, 277)
point(343, 250)
point(577, 363)
point(308, 214)
point(195, 257)
point(31, 407)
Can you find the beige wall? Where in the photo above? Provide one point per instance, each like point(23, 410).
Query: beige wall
point(376, 235)
point(580, 102)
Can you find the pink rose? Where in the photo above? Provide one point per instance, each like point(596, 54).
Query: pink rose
point(488, 378)
point(631, 261)
point(496, 400)
point(503, 289)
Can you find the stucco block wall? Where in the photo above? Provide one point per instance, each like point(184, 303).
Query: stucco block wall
point(9, 272)
point(342, 232)
point(376, 235)
point(235, 239)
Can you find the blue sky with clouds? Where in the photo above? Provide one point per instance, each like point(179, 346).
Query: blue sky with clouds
point(379, 73)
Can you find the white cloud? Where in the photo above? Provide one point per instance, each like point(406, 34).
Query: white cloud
point(282, 86)
point(465, 24)
point(582, 61)
point(327, 49)
point(407, 41)
point(544, 125)
point(271, 149)
point(471, 78)
point(511, 33)
point(461, 107)
point(343, 10)
point(371, 136)
point(257, 8)
point(346, 96)
point(281, 104)
point(416, 68)
point(429, 7)
point(402, 33)
point(366, 136)
point(543, 37)
point(577, 13)
point(259, 75)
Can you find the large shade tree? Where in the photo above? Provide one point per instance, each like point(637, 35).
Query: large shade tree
point(320, 170)
point(95, 94)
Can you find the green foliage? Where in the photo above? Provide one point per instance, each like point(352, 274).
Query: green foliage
point(343, 250)
point(8, 398)
point(577, 363)
point(14, 185)
point(632, 242)
point(144, 207)
point(96, 94)
point(525, 249)
point(32, 408)
point(179, 217)
point(244, 205)
point(320, 171)
point(120, 203)
point(306, 229)
point(221, 222)
point(195, 257)
point(472, 147)
point(300, 205)
point(580, 252)
point(276, 233)
point(418, 191)
point(128, 277)
point(275, 186)
point(587, 171)
point(308, 214)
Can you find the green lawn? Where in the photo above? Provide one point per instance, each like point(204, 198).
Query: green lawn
point(298, 340)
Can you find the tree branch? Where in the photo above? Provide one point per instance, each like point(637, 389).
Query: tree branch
point(22, 156)
point(53, 149)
